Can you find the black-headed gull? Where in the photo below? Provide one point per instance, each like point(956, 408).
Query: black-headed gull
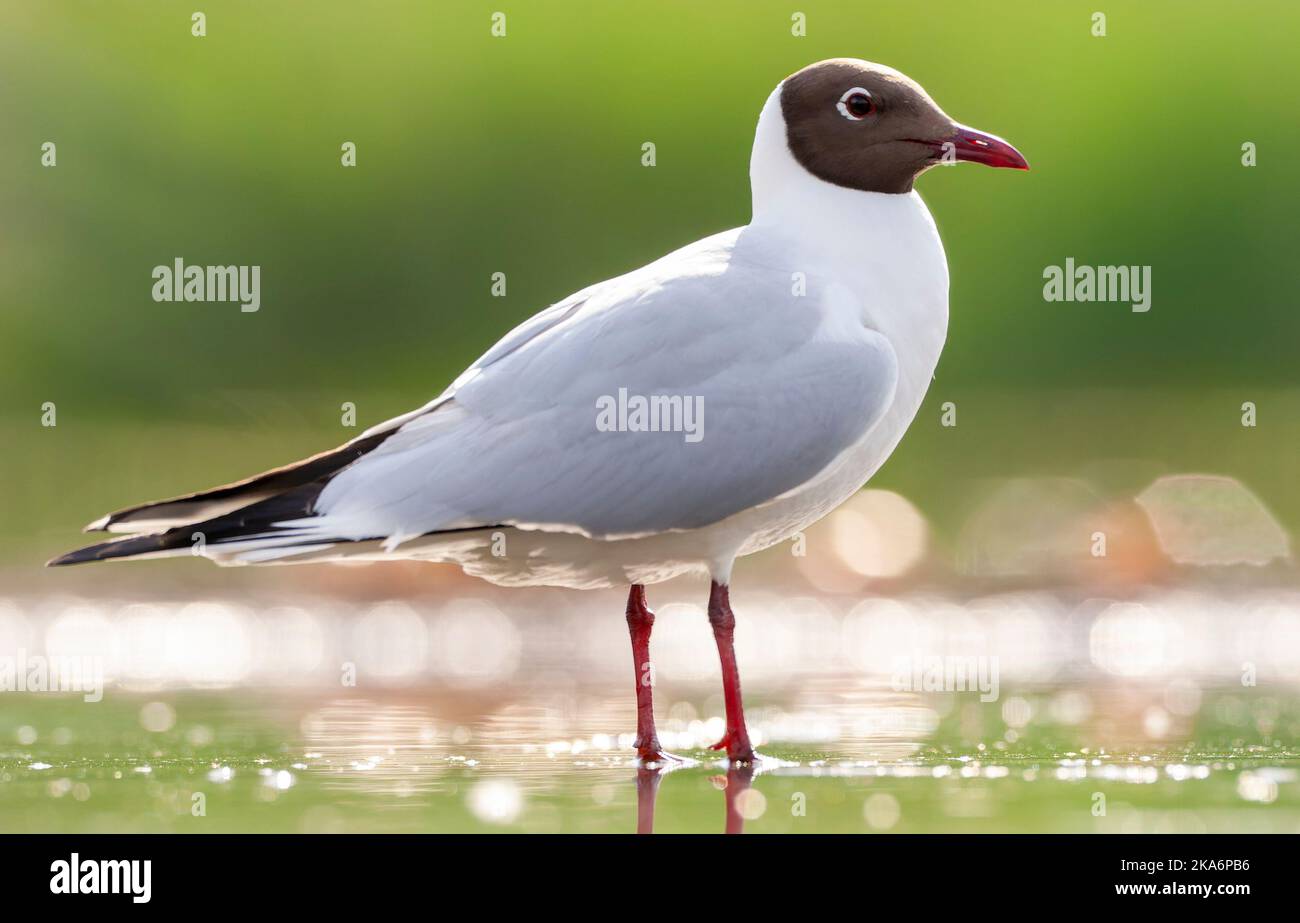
point(703, 407)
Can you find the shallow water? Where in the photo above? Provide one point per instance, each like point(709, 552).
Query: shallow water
point(292, 709)
point(874, 760)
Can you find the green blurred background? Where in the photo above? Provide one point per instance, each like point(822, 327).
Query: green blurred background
point(522, 154)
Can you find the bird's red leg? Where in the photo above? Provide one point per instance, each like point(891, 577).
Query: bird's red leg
point(639, 622)
point(736, 740)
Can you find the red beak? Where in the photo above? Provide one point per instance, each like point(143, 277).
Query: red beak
point(977, 147)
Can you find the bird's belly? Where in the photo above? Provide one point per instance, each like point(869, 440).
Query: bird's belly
point(779, 519)
point(790, 514)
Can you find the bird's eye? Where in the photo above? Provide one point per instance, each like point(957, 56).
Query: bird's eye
point(856, 104)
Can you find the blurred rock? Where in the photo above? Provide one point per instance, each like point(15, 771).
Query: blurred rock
point(1207, 520)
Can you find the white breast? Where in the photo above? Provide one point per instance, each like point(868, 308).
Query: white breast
point(876, 260)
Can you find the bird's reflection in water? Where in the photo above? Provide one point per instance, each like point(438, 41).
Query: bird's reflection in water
point(737, 780)
point(647, 790)
point(739, 776)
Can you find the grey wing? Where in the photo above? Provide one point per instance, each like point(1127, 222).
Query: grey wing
point(773, 397)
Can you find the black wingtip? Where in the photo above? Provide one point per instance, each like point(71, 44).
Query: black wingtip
point(132, 547)
point(80, 556)
point(99, 552)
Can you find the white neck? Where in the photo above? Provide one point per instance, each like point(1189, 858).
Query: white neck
point(793, 202)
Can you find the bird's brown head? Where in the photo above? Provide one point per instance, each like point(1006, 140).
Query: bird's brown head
point(866, 126)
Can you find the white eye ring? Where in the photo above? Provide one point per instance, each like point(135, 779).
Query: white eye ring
point(844, 109)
